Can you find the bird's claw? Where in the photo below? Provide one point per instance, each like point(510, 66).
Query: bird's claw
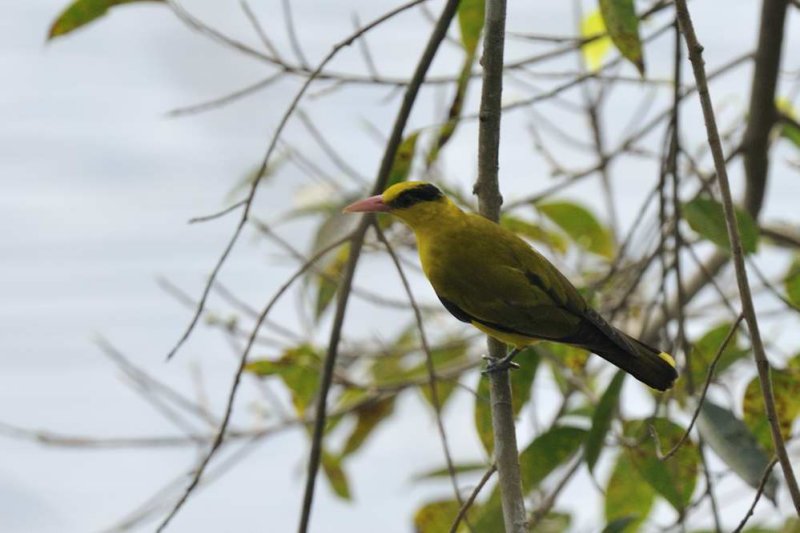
point(497, 365)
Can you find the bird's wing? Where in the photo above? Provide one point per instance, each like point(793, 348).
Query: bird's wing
point(513, 300)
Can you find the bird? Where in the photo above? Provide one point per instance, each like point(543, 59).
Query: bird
point(489, 277)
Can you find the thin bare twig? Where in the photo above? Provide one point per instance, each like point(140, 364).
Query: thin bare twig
point(220, 436)
point(267, 156)
point(474, 494)
point(356, 243)
point(437, 404)
point(709, 377)
point(764, 479)
point(762, 363)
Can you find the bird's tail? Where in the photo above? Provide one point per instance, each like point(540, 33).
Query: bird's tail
point(650, 366)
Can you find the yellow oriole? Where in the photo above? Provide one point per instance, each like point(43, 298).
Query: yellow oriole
point(487, 276)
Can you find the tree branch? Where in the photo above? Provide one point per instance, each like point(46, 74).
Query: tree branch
point(435, 40)
point(762, 364)
point(489, 201)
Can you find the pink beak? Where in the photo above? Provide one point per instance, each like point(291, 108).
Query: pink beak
point(367, 205)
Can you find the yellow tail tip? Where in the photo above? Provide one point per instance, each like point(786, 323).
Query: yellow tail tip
point(668, 358)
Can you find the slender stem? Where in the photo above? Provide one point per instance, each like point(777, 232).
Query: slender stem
point(489, 201)
point(435, 40)
point(762, 363)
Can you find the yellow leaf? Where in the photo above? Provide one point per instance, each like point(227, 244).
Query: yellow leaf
point(592, 26)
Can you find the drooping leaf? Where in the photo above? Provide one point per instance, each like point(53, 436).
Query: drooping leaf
point(82, 12)
point(707, 217)
point(547, 452)
point(367, 419)
point(733, 442)
point(470, 22)
point(593, 27)
point(436, 516)
point(786, 389)
point(675, 478)
point(623, 28)
point(601, 420)
point(534, 232)
point(332, 467)
point(401, 167)
point(581, 225)
point(791, 283)
point(628, 495)
point(789, 131)
point(298, 368)
point(483, 416)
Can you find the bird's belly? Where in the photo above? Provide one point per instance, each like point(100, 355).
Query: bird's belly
point(514, 339)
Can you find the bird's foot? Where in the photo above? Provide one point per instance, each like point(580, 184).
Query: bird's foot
point(497, 365)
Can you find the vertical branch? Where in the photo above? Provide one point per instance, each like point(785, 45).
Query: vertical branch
point(489, 201)
point(762, 113)
point(326, 377)
point(762, 364)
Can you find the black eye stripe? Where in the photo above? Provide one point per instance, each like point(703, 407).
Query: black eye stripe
point(409, 197)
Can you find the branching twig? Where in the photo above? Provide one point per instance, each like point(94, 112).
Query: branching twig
point(467, 504)
point(435, 40)
point(701, 400)
point(237, 379)
point(437, 405)
point(762, 363)
point(267, 156)
point(759, 492)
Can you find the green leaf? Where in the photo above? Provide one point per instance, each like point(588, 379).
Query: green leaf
point(534, 232)
point(483, 416)
point(463, 468)
point(436, 517)
point(675, 478)
point(620, 524)
point(623, 28)
point(470, 22)
point(443, 359)
point(581, 225)
point(786, 388)
point(707, 217)
point(733, 442)
point(601, 420)
point(547, 452)
point(329, 277)
point(367, 419)
point(705, 349)
point(490, 515)
point(628, 496)
point(593, 27)
point(522, 378)
point(332, 467)
point(401, 167)
point(82, 12)
point(791, 283)
point(298, 368)
point(789, 131)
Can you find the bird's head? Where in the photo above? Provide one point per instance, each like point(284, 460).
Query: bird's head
point(417, 203)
